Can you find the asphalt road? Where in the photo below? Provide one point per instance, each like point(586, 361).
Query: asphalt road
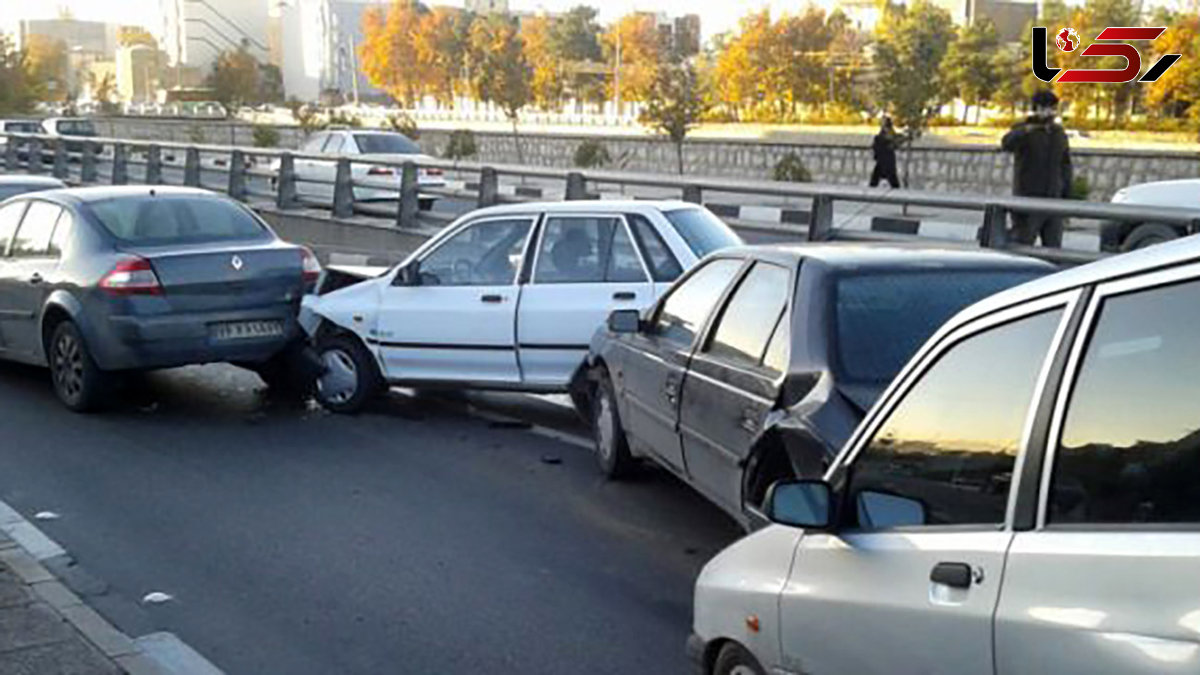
point(420, 537)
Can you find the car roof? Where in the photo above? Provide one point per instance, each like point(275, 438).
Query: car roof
point(589, 206)
point(46, 181)
point(860, 255)
point(99, 192)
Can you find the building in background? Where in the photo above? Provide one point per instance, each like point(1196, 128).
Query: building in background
point(90, 37)
point(195, 32)
point(138, 71)
point(680, 35)
point(316, 45)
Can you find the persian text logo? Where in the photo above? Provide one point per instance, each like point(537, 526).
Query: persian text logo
point(1067, 41)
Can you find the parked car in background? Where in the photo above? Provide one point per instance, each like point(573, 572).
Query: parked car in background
point(95, 281)
point(1022, 499)
point(19, 184)
point(1117, 237)
point(506, 297)
point(70, 127)
point(18, 127)
point(758, 364)
point(362, 146)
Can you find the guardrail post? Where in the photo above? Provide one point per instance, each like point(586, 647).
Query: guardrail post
point(285, 182)
point(489, 188)
point(119, 163)
point(237, 174)
point(343, 190)
point(60, 158)
point(820, 223)
point(12, 161)
point(34, 165)
point(994, 231)
point(153, 165)
point(191, 167)
point(87, 163)
point(406, 215)
point(693, 194)
point(576, 186)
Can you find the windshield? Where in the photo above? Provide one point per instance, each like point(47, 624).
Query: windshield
point(703, 232)
point(76, 128)
point(23, 127)
point(883, 318)
point(175, 220)
point(385, 144)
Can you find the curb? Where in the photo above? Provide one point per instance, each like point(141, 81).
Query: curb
point(26, 547)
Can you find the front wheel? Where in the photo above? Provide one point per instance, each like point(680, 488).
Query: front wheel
point(612, 447)
point(734, 659)
point(79, 383)
point(349, 378)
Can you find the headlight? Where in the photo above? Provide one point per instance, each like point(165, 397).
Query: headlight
point(1120, 196)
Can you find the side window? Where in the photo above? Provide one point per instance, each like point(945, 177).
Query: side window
point(10, 216)
point(776, 358)
point(662, 263)
point(586, 250)
point(1130, 445)
point(481, 254)
point(334, 144)
point(624, 265)
point(753, 310)
point(689, 304)
point(315, 144)
point(62, 233)
point(945, 454)
point(33, 236)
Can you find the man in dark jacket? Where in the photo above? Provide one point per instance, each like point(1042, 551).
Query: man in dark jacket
point(884, 148)
point(1041, 168)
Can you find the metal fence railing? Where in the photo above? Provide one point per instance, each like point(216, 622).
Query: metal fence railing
point(353, 185)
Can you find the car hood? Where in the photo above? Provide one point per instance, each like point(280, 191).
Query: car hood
point(1180, 193)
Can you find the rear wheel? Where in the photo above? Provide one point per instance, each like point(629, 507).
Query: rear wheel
point(350, 377)
point(734, 659)
point(612, 448)
point(78, 381)
point(1149, 234)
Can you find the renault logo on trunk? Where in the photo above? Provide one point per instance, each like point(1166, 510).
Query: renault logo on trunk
point(236, 263)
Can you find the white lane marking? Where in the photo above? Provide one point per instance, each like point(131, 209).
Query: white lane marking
point(46, 515)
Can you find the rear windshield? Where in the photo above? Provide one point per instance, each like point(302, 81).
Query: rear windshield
point(23, 127)
point(76, 128)
point(883, 319)
point(703, 232)
point(386, 144)
point(173, 220)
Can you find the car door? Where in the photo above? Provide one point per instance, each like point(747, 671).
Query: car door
point(458, 324)
point(729, 390)
point(1105, 580)
point(10, 316)
point(30, 271)
point(653, 361)
point(909, 579)
point(586, 266)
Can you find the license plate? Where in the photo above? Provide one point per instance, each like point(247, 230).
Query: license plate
point(242, 330)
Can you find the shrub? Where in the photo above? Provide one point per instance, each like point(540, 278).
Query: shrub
point(1080, 188)
point(402, 123)
point(461, 145)
point(265, 136)
point(592, 155)
point(790, 169)
point(337, 118)
point(196, 134)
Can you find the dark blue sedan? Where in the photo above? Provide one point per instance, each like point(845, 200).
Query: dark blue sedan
point(96, 281)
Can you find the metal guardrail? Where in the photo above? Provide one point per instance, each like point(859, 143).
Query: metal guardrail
point(57, 155)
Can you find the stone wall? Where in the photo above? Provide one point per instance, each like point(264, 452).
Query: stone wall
point(973, 169)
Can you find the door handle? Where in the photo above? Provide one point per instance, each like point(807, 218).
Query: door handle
point(491, 298)
point(35, 278)
point(952, 574)
point(624, 295)
point(749, 421)
point(671, 391)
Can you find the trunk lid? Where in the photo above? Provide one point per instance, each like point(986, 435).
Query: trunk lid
point(225, 275)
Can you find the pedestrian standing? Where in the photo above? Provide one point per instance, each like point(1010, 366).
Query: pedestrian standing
point(884, 148)
point(1041, 168)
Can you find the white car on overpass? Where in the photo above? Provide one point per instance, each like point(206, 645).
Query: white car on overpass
point(314, 178)
point(1118, 237)
point(506, 297)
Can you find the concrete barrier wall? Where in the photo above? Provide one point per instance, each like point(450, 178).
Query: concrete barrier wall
point(977, 169)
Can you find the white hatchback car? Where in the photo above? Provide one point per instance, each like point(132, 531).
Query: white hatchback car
point(362, 145)
point(506, 297)
point(1024, 498)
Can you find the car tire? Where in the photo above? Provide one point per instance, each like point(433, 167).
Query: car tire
point(78, 382)
point(350, 378)
point(734, 659)
point(426, 203)
point(612, 447)
point(1149, 234)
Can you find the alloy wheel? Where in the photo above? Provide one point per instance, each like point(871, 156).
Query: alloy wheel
point(339, 382)
point(67, 366)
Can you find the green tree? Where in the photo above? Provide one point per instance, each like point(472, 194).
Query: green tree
point(972, 75)
point(575, 39)
point(19, 90)
point(235, 79)
point(500, 74)
point(675, 105)
point(911, 44)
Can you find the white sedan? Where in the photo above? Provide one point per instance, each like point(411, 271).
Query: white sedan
point(506, 297)
point(1118, 237)
point(362, 146)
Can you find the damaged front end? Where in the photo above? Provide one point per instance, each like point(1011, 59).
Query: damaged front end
point(346, 296)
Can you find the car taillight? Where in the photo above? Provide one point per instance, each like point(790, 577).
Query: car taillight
point(433, 172)
point(380, 171)
point(310, 266)
point(132, 276)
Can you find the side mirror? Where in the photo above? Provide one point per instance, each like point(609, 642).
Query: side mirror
point(625, 321)
point(800, 503)
point(409, 275)
point(883, 510)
